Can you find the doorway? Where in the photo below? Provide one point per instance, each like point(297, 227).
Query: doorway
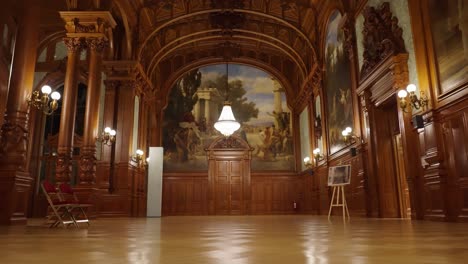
point(390, 162)
point(228, 187)
point(229, 176)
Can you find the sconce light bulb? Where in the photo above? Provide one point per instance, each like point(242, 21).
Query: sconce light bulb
point(139, 152)
point(306, 160)
point(411, 88)
point(112, 132)
point(316, 151)
point(348, 129)
point(344, 133)
point(46, 89)
point(55, 96)
point(147, 159)
point(107, 130)
point(402, 93)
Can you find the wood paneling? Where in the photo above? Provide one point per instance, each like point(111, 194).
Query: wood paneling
point(454, 127)
point(276, 194)
point(185, 194)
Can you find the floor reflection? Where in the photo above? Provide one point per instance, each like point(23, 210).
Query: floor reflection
point(286, 239)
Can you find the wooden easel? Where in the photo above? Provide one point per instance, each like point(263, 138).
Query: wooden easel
point(336, 202)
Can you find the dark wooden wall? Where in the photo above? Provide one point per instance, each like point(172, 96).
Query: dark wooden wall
point(437, 173)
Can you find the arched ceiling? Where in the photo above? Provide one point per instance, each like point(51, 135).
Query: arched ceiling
point(276, 35)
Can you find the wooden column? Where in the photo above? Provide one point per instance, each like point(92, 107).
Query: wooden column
point(15, 180)
point(67, 117)
point(93, 26)
point(91, 121)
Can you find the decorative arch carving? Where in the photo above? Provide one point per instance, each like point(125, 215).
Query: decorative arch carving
point(232, 142)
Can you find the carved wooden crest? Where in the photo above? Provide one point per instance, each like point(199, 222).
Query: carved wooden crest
point(231, 142)
point(382, 36)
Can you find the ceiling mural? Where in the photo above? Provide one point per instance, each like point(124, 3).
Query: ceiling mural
point(258, 102)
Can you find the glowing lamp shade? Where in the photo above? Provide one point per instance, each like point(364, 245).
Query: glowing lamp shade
point(411, 88)
point(344, 133)
point(55, 96)
point(46, 89)
point(107, 130)
point(139, 152)
point(112, 132)
point(306, 160)
point(402, 93)
point(316, 151)
point(226, 123)
point(349, 129)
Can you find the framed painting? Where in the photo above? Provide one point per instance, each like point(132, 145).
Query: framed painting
point(258, 103)
point(339, 175)
point(337, 84)
point(449, 28)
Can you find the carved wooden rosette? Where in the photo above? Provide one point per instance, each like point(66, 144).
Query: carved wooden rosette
point(382, 37)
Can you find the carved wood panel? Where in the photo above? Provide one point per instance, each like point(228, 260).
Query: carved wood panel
point(455, 138)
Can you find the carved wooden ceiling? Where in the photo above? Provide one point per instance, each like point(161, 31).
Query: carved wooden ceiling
point(276, 35)
point(170, 37)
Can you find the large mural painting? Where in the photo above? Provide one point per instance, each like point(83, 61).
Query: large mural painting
point(337, 84)
point(258, 102)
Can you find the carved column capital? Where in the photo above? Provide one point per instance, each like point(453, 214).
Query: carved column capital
point(74, 45)
point(97, 44)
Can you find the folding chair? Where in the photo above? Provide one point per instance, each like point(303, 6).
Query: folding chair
point(61, 211)
point(77, 209)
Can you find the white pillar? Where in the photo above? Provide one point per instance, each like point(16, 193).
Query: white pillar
point(277, 90)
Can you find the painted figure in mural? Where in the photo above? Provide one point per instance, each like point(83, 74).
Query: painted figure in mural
point(181, 141)
point(193, 142)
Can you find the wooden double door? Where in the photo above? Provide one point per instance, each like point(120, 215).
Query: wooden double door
point(228, 187)
point(229, 176)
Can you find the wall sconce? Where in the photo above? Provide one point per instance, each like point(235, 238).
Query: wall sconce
point(308, 163)
point(41, 100)
point(415, 102)
point(139, 158)
point(349, 136)
point(107, 136)
point(317, 156)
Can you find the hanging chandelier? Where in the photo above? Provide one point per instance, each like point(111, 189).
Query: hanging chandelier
point(227, 123)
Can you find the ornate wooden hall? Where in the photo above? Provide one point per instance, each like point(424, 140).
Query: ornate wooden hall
point(87, 87)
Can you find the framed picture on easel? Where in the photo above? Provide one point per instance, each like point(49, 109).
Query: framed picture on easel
point(339, 175)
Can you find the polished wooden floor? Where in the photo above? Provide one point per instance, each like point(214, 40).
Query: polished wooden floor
point(287, 239)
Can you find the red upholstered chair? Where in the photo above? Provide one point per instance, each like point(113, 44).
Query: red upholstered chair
point(78, 213)
point(59, 211)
